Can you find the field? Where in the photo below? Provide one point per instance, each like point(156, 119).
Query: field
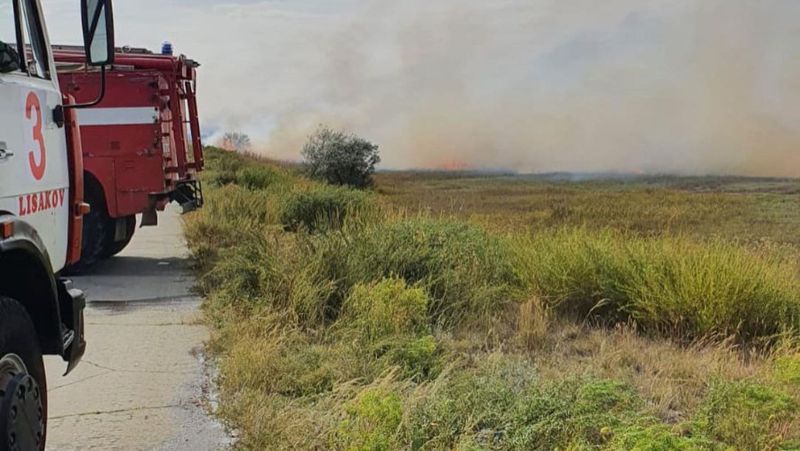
point(471, 311)
point(743, 209)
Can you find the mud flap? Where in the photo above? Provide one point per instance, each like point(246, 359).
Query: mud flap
point(72, 303)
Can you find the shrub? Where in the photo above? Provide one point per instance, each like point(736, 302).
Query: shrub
point(499, 404)
point(259, 177)
point(388, 308)
point(391, 323)
point(372, 421)
point(467, 272)
point(236, 142)
point(747, 414)
point(322, 208)
point(578, 413)
point(787, 369)
point(667, 285)
point(659, 437)
point(469, 402)
point(340, 158)
point(222, 166)
point(419, 358)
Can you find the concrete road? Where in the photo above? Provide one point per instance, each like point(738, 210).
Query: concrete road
point(143, 383)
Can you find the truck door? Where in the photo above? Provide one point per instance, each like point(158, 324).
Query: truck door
point(34, 176)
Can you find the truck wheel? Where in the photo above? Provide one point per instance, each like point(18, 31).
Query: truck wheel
point(113, 248)
point(23, 386)
point(95, 236)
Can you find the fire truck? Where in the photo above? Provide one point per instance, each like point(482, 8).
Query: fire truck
point(141, 144)
point(41, 210)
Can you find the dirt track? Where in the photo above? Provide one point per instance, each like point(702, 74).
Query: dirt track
point(142, 383)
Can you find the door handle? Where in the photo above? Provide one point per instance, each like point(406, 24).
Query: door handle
point(4, 153)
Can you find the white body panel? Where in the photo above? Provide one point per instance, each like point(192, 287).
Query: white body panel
point(118, 116)
point(34, 182)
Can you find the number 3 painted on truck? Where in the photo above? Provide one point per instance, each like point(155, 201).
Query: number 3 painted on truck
point(37, 169)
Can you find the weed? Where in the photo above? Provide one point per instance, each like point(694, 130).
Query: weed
point(668, 285)
point(388, 308)
point(747, 414)
point(372, 422)
point(466, 271)
point(322, 208)
point(787, 369)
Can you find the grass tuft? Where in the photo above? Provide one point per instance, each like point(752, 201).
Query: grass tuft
point(322, 208)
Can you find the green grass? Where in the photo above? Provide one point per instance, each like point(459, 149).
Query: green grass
point(321, 208)
point(667, 285)
point(346, 320)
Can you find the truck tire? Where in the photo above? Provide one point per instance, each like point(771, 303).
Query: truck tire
point(95, 235)
point(115, 247)
point(23, 386)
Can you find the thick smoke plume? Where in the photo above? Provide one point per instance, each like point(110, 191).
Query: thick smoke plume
point(659, 86)
point(684, 86)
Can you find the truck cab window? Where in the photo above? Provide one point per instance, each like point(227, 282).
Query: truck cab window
point(8, 38)
point(10, 60)
point(8, 32)
point(33, 36)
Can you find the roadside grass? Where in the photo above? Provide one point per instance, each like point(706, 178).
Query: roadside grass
point(670, 286)
point(361, 323)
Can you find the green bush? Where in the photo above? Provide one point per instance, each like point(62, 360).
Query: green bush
point(321, 208)
point(340, 158)
point(747, 414)
point(391, 323)
point(419, 357)
point(388, 308)
point(372, 422)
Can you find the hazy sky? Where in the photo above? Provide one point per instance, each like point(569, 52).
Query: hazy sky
point(692, 86)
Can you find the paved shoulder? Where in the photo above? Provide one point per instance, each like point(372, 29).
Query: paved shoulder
point(143, 381)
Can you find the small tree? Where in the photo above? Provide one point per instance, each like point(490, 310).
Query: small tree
point(236, 141)
point(340, 158)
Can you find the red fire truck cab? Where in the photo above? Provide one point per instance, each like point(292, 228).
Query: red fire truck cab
point(141, 144)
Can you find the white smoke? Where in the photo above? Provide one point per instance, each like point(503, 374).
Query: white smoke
point(700, 86)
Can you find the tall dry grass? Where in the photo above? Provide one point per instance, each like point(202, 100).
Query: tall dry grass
point(370, 328)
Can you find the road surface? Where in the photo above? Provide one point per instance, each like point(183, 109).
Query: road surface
point(143, 383)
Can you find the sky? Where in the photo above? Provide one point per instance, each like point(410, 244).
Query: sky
point(657, 86)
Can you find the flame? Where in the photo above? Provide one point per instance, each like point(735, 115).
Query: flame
point(452, 165)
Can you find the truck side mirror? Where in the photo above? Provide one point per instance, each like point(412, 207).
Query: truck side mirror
point(98, 31)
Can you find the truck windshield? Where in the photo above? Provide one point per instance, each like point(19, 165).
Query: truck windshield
point(8, 31)
point(35, 54)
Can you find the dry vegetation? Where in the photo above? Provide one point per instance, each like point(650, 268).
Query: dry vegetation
point(734, 208)
point(502, 313)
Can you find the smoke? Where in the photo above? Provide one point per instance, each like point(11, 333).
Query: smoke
point(655, 86)
point(679, 86)
point(686, 87)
